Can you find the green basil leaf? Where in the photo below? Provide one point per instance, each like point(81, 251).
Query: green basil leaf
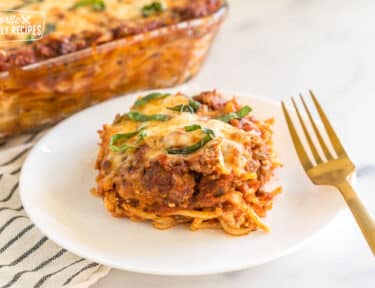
point(50, 27)
point(97, 5)
point(210, 134)
point(29, 39)
point(244, 111)
point(194, 104)
point(192, 148)
point(122, 148)
point(22, 5)
point(192, 127)
point(136, 116)
point(147, 98)
point(192, 107)
point(181, 108)
point(141, 137)
point(154, 7)
point(123, 137)
point(209, 131)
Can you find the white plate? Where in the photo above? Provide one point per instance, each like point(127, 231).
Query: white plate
point(58, 174)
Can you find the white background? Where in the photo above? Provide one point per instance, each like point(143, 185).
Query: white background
point(277, 49)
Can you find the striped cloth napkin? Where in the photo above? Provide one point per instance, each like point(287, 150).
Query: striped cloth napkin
point(27, 257)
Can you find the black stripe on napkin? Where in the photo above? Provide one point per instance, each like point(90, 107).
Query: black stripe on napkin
point(16, 238)
point(12, 209)
point(16, 171)
point(91, 265)
point(47, 276)
point(14, 218)
point(40, 266)
point(27, 253)
point(14, 188)
point(15, 158)
point(31, 138)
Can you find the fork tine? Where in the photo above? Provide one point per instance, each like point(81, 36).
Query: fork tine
point(340, 151)
point(326, 152)
point(307, 135)
point(304, 159)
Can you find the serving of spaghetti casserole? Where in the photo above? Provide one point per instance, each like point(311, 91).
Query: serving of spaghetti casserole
point(201, 160)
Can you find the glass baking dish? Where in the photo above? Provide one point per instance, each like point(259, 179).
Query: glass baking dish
point(41, 94)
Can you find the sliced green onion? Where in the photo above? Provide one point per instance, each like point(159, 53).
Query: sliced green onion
point(147, 98)
point(244, 111)
point(154, 7)
point(136, 116)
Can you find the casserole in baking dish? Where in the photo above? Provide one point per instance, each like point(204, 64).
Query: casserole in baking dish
point(93, 50)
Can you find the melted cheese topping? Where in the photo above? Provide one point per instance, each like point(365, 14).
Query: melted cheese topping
point(68, 21)
point(234, 144)
point(83, 18)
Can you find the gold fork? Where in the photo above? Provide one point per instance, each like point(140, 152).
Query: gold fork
point(333, 170)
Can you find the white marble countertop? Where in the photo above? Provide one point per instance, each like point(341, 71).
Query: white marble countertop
point(276, 49)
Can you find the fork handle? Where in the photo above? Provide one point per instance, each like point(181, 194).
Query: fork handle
point(363, 217)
